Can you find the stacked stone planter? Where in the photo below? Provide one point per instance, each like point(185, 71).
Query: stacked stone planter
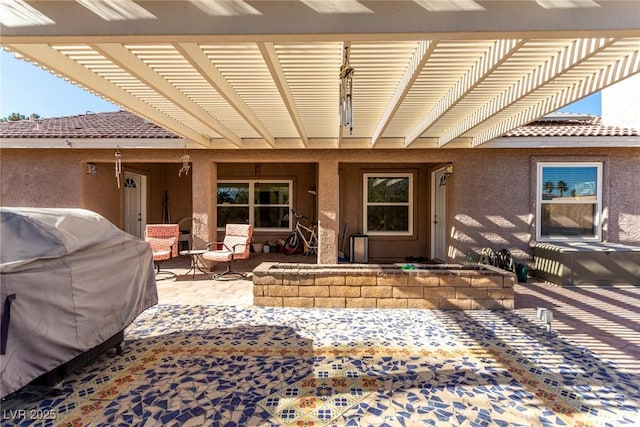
point(441, 286)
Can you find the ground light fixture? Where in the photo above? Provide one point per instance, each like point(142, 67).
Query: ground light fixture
point(546, 315)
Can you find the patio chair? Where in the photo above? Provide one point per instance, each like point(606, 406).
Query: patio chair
point(185, 233)
point(163, 239)
point(237, 240)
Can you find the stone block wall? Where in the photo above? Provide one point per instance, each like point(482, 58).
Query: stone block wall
point(381, 286)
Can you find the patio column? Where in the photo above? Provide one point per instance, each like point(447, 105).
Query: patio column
point(328, 205)
point(205, 175)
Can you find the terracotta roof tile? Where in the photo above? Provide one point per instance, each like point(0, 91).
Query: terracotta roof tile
point(570, 125)
point(118, 124)
point(122, 124)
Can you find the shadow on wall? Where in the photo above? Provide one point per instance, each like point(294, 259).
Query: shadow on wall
point(471, 234)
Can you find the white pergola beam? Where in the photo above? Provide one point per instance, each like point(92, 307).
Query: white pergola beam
point(414, 68)
point(496, 55)
point(270, 57)
point(61, 64)
point(568, 58)
point(599, 80)
point(294, 18)
point(199, 60)
point(125, 59)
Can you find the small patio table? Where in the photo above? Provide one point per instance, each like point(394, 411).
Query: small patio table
point(194, 254)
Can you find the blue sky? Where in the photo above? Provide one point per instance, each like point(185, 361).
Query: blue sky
point(27, 89)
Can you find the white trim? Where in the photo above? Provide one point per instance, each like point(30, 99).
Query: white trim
point(563, 142)
point(251, 205)
point(99, 143)
point(598, 202)
point(319, 143)
point(365, 203)
point(435, 183)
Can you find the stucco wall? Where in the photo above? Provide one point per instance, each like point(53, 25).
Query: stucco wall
point(490, 197)
point(391, 248)
point(490, 203)
point(51, 178)
point(624, 196)
point(101, 194)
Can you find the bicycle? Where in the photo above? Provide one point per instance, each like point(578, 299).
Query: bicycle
point(299, 236)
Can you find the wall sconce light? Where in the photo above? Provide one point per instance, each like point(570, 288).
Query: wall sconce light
point(91, 169)
point(448, 170)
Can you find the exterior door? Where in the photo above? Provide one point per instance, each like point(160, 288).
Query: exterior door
point(438, 215)
point(134, 204)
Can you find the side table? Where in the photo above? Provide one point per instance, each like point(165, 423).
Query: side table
point(194, 254)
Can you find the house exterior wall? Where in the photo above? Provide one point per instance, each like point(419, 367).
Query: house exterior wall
point(51, 178)
point(620, 106)
point(100, 193)
point(387, 248)
point(490, 197)
point(303, 176)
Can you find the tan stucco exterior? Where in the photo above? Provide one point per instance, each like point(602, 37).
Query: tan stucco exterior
point(490, 196)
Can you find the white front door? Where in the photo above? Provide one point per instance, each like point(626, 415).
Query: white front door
point(134, 204)
point(438, 215)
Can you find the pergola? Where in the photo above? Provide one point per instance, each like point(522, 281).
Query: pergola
point(265, 74)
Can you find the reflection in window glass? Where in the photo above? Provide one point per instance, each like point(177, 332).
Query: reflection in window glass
point(569, 201)
point(388, 190)
point(388, 200)
point(233, 193)
point(232, 215)
point(569, 182)
point(271, 193)
point(264, 204)
point(577, 220)
point(271, 217)
point(387, 218)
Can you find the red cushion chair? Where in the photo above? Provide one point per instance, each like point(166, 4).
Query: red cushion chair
point(237, 240)
point(163, 239)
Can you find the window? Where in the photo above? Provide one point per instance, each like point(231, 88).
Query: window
point(264, 204)
point(569, 201)
point(388, 204)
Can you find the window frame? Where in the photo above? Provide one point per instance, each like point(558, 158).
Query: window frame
point(366, 204)
point(598, 202)
point(252, 205)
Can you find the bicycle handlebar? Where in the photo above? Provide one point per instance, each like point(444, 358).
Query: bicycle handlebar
point(296, 214)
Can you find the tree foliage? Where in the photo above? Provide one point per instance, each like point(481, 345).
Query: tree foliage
point(16, 117)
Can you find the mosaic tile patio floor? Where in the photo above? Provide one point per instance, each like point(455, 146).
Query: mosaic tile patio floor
point(246, 366)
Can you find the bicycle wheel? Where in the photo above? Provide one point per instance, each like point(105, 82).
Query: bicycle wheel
point(291, 244)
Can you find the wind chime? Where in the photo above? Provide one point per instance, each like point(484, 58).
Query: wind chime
point(118, 167)
point(346, 92)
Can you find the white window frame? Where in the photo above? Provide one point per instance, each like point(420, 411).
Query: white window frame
point(366, 203)
point(251, 205)
point(598, 203)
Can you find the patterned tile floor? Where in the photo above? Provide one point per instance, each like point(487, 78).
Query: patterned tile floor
point(212, 364)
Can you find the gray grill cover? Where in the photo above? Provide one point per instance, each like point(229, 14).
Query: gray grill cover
point(77, 279)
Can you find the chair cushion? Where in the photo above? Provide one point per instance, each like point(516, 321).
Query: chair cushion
point(218, 256)
point(163, 237)
point(161, 255)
